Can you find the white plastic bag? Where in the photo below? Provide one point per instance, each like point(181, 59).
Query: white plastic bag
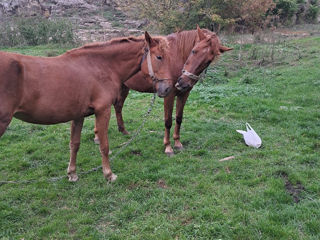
point(251, 137)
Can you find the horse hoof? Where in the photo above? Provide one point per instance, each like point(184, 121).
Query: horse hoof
point(96, 141)
point(170, 154)
point(180, 148)
point(112, 178)
point(125, 132)
point(169, 151)
point(73, 177)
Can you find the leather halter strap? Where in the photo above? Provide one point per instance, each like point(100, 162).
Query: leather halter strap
point(191, 75)
point(150, 68)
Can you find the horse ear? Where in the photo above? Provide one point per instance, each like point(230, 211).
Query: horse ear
point(149, 39)
point(200, 33)
point(223, 49)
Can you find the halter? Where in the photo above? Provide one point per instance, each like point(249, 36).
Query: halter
point(194, 77)
point(150, 68)
point(191, 75)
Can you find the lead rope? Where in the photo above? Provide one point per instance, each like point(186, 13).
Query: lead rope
point(123, 147)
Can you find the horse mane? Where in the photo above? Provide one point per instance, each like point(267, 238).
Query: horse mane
point(163, 43)
point(186, 40)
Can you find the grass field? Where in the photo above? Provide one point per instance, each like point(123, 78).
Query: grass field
point(267, 193)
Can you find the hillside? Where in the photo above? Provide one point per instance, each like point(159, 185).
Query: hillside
point(94, 20)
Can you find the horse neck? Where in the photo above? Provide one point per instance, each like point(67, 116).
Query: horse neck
point(127, 58)
point(123, 58)
point(182, 43)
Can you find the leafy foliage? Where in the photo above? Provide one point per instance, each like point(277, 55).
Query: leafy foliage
point(169, 15)
point(286, 8)
point(35, 31)
point(312, 13)
point(232, 15)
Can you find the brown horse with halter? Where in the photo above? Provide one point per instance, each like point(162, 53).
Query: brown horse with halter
point(205, 47)
point(79, 83)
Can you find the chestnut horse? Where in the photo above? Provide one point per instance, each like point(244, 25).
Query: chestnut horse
point(203, 53)
point(181, 45)
point(79, 83)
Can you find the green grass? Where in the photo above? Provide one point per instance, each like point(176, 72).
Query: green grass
point(191, 195)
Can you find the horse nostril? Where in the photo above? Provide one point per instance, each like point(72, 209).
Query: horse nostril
point(167, 90)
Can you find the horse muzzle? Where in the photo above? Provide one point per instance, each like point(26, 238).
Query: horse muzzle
point(182, 86)
point(163, 91)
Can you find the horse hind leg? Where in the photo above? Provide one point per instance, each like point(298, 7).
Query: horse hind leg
point(96, 138)
point(76, 127)
point(5, 119)
point(118, 109)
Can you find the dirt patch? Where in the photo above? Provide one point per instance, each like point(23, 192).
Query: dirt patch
point(162, 184)
point(294, 34)
point(186, 221)
point(293, 190)
point(136, 152)
point(133, 186)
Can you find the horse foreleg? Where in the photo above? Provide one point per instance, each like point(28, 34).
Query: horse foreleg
point(102, 123)
point(118, 105)
point(76, 127)
point(118, 108)
point(168, 108)
point(181, 101)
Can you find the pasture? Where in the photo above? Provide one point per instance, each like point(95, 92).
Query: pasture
point(267, 193)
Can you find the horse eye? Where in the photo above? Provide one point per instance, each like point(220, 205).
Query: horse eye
point(159, 57)
point(193, 52)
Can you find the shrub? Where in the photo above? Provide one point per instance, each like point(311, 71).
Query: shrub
point(36, 31)
point(312, 14)
point(168, 16)
point(286, 9)
point(232, 15)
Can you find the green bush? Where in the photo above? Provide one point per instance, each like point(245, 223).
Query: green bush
point(312, 14)
point(9, 36)
point(168, 16)
point(286, 9)
point(35, 31)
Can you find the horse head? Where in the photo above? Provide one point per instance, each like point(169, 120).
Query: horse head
point(206, 50)
point(157, 64)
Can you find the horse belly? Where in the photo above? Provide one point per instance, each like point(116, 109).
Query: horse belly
point(56, 99)
point(49, 118)
point(52, 110)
